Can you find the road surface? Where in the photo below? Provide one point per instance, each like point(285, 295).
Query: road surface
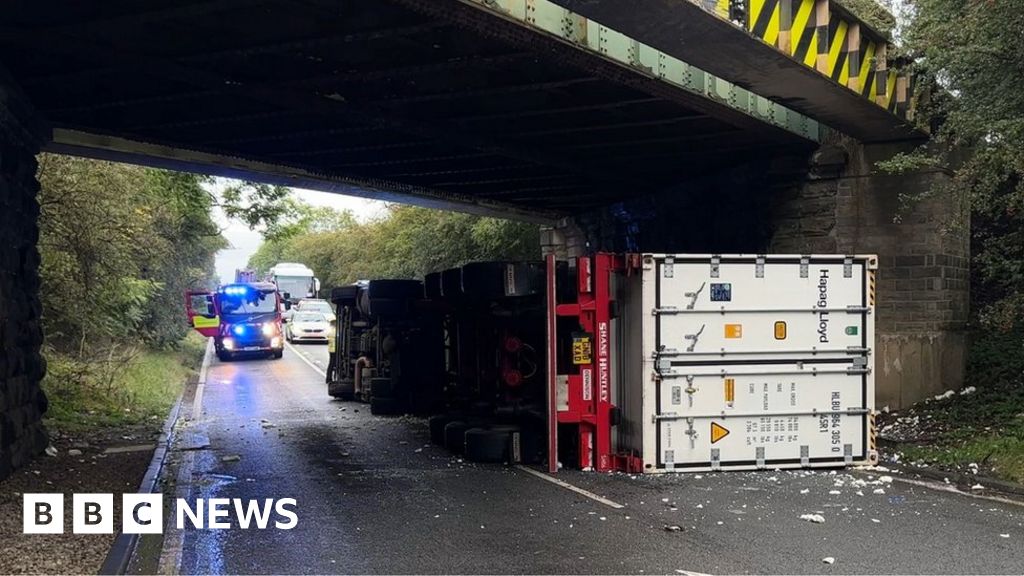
point(375, 497)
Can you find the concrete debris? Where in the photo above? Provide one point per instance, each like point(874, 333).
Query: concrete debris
point(74, 452)
point(968, 390)
point(231, 458)
point(977, 487)
point(673, 528)
point(815, 518)
point(828, 560)
point(51, 450)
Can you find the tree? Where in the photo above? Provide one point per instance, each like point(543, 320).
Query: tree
point(969, 50)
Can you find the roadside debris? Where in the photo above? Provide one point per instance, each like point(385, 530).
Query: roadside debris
point(828, 560)
point(815, 518)
point(51, 450)
point(231, 458)
point(673, 528)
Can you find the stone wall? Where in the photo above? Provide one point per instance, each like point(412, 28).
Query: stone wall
point(846, 207)
point(22, 402)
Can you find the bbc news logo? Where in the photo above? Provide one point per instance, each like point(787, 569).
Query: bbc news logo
point(144, 514)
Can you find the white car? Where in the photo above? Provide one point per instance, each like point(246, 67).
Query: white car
point(316, 305)
point(307, 327)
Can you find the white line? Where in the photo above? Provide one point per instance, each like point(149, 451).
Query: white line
point(954, 490)
point(197, 400)
point(568, 486)
point(306, 360)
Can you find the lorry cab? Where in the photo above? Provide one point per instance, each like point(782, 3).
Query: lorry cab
point(242, 319)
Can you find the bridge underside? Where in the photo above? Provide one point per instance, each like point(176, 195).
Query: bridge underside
point(433, 102)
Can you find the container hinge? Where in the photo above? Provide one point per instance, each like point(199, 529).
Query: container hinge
point(667, 268)
point(694, 295)
point(663, 365)
point(760, 456)
point(848, 267)
point(805, 456)
point(759, 266)
point(664, 310)
point(716, 459)
point(716, 262)
point(847, 453)
point(805, 264)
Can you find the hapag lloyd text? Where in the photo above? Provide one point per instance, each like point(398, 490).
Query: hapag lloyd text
point(823, 303)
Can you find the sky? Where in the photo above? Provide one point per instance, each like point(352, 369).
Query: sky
point(244, 241)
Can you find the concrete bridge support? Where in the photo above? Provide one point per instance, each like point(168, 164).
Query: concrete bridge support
point(22, 366)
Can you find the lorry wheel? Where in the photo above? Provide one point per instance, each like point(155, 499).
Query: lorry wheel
point(381, 387)
point(344, 389)
point(223, 356)
point(437, 424)
point(384, 406)
point(455, 435)
point(279, 354)
point(489, 445)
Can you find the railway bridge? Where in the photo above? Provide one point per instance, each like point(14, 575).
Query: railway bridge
point(668, 125)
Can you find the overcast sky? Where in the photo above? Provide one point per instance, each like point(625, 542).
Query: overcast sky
point(244, 241)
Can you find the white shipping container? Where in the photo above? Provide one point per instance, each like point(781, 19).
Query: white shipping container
point(745, 362)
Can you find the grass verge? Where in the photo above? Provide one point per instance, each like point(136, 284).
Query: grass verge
point(984, 428)
point(120, 386)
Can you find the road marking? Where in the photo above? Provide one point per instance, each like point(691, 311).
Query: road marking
point(197, 400)
point(568, 486)
point(306, 360)
point(953, 489)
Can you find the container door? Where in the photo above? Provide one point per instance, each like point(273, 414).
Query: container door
point(762, 361)
point(202, 313)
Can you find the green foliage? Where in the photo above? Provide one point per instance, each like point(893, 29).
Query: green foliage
point(970, 50)
point(120, 245)
point(117, 385)
point(408, 242)
point(872, 13)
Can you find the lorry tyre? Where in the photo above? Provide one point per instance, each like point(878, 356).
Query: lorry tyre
point(395, 289)
point(279, 354)
point(489, 445)
point(385, 406)
point(344, 389)
point(223, 355)
point(382, 387)
point(437, 425)
point(455, 436)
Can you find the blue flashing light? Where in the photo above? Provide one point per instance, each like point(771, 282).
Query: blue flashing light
point(236, 290)
point(238, 330)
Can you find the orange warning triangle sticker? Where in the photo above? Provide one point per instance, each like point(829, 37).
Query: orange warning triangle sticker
point(718, 432)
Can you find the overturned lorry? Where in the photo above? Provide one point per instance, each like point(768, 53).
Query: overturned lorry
point(630, 362)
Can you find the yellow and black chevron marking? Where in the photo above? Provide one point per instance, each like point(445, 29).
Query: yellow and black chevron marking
point(871, 288)
point(804, 43)
point(873, 436)
point(763, 19)
point(837, 51)
point(866, 76)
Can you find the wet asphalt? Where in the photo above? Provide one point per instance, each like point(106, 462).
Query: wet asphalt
point(373, 496)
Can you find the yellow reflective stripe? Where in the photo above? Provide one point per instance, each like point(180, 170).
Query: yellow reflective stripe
point(838, 42)
point(771, 35)
point(204, 322)
point(799, 27)
point(890, 89)
point(865, 67)
point(755, 9)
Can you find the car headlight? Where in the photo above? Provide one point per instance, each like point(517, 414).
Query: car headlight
point(269, 328)
point(229, 344)
point(275, 342)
